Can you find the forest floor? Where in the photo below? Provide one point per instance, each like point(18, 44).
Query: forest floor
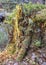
point(34, 56)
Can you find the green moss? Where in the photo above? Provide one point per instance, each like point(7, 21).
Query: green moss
point(37, 43)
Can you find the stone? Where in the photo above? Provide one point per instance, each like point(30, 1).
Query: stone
point(4, 35)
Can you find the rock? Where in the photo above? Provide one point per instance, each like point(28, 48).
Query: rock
point(4, 35)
